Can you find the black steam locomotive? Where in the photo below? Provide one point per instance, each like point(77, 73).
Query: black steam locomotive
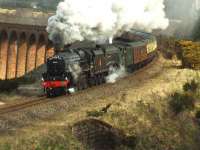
point(82, 67)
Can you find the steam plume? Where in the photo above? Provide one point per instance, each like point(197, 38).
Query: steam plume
point(115, 74)
point(99, 20)
point(76, 70)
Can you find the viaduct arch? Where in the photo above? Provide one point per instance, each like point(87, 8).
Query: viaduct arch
point(22, 49)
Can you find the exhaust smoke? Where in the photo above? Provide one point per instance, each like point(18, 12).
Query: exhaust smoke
point(76, 70)
point(99, 20)
point(110, 40)
point(115, 74)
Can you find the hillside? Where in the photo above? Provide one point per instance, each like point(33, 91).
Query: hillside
point(139, 106)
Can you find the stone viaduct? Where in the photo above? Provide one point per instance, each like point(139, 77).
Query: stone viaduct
point(24, 43)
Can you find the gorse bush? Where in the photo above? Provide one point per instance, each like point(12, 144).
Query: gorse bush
point(180, 102)
point(12, 84)
point(190, 86)
point(189, 53)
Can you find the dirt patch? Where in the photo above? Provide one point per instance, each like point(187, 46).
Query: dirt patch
point(99, 135)
point(2, 103)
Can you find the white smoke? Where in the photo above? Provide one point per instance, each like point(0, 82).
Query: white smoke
point(34, 5)
point(76, 70)
point(115, 74)
point(99, 20)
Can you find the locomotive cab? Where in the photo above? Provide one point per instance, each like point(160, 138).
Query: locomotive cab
point(55, 80)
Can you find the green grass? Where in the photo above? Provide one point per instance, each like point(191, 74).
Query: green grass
point(55, 139)
point(186, 100)
point(155, 127)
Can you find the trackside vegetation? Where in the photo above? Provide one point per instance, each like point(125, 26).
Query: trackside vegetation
point(10, 85)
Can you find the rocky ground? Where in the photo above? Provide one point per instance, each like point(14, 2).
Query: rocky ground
point(129, 98)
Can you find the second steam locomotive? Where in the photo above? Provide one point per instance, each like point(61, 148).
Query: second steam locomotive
point(82, 67)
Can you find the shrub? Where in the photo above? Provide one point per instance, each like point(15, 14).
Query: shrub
point(180, 102)
point(168, 54)
point(8, 85)
point(94, 113)
point(197, 115)
point(189, 53)
point(98, 113)
point(178, 50)
point(12, 84)
point(190, 86)
point(196, 31)
point(131, 141)
point(5, 146)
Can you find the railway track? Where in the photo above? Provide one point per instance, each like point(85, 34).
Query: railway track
point(20, 106)
point(43, 99)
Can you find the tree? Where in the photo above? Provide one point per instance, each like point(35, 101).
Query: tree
point(196, 30)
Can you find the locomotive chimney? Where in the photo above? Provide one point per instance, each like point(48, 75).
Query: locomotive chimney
point(67, 47)
point(57, 48)
point(98, 46)
point(58, 43)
